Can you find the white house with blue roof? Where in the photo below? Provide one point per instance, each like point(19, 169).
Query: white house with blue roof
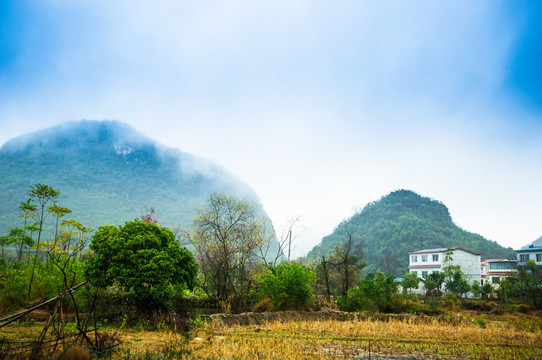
point(425, 262)
point(530, 253)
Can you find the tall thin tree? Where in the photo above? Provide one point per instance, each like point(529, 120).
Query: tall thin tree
point(42, 194)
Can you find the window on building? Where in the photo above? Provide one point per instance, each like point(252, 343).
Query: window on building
point(501, 266)
point(424, 274)
point(538, 257)
point(435, 257)
point(424, 258)
point(495, 280)
point(524, 258)
point(414, 258)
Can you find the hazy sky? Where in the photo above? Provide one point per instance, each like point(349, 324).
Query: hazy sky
point(320, 106)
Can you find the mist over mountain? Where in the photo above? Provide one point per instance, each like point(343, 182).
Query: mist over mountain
point(537, 242)
point(108, 173)
point(402, 222)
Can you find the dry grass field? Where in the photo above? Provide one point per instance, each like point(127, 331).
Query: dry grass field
point(455, 337)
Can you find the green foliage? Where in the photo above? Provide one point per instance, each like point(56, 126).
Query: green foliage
point(455, 280)
point(524, 285)
point(287, 285)
point(227, 234)
point(410, 281)
point(346, 263)
point(433, 283)
point(476, 289)
point(5, 241)
point(142, 257)
point(450, 301)
point(374, 293)
point(109, 173)
point(487, 290)
point(48, 281)
point(19, 238)
point(401, 222)
point(479, 305)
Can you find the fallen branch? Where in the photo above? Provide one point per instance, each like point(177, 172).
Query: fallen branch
point(14, 317)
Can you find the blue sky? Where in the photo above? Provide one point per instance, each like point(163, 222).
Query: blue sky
point(321, 107)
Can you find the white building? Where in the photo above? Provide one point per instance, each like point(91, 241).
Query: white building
point(495, 270)
point(425, 262)
point(530, 253)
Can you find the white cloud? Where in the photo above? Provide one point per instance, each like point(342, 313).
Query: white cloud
point(319, 106)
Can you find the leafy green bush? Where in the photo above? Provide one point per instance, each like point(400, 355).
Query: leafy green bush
point(287, 285)
point(450, 301)
point(479, 321)
point(372, 294)
point(478, 305)
point(431, 307)
point(141, 257)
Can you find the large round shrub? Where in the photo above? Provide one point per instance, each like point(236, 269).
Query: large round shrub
point(142, 257)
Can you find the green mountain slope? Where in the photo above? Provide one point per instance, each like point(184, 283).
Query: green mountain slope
point(108, 173)
point(401, 222)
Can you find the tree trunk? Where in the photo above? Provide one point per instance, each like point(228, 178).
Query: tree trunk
point(326, 279)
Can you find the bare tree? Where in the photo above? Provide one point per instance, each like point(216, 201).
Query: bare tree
point(326, 278)
point(276, 248)
point(389, 263)
point(348, 260)
point(226, 236)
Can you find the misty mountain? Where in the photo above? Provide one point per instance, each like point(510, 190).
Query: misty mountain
point(399, 223)
point(537, 242)
point(108, 173)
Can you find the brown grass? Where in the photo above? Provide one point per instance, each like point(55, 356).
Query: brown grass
point(303, 337)
point(420, 337)
point(263, 306)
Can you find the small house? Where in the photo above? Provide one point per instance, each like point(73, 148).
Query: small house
point(425, 262)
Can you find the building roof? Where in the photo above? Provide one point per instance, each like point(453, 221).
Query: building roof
point(442, 250)
point(534, 248)
point(424, 266)
point(498, 260)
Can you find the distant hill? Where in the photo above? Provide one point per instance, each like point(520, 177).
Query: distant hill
point(401, 222)
point(537, 242)
point(108, 173)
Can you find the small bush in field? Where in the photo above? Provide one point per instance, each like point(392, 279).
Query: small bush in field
point(489, 305)
point(288, 286)
point(374, 294)
point(431, 307)
point(450, 301)
point(263, 306)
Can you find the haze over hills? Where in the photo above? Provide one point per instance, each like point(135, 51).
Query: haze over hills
point(402, 222)
point(108, 173)
point(537, 242)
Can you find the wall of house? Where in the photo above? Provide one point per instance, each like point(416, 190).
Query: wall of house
point(429, 266)
point(535, 254)
point(470, 265)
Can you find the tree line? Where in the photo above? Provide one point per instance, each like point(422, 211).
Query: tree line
point(231, 258)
